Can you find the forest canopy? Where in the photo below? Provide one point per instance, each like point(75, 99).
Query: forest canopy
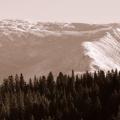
point(90, 96)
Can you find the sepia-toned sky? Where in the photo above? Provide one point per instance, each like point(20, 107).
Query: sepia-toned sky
point(87, 11)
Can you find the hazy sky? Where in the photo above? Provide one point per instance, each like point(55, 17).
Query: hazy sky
point(92, 11)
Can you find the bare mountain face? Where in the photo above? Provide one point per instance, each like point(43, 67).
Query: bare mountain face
point(38, 48)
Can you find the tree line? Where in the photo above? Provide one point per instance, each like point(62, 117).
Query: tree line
point(90, 96)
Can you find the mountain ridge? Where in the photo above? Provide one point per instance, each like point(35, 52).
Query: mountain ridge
point(43, 47)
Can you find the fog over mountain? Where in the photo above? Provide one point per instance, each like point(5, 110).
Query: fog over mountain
point(38, 48)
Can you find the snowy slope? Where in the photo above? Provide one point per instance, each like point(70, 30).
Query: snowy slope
point(37, 48)
point(105, 51)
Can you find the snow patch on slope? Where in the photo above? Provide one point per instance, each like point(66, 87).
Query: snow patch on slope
point(104, 52)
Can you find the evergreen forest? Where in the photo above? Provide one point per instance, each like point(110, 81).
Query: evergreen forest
point(89, 96)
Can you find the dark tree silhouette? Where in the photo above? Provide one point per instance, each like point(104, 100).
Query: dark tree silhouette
point(90, 96)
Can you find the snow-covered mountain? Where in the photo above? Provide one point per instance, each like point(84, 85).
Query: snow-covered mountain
point(37, 48)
